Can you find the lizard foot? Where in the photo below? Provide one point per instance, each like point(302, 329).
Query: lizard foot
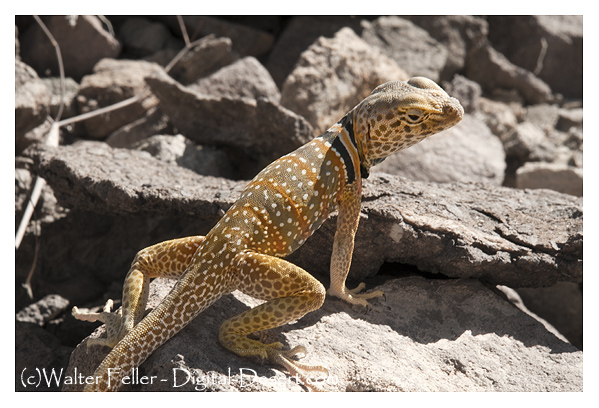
point(273, 352)
point(303, 372)
point(354, 296)
point(111, 319)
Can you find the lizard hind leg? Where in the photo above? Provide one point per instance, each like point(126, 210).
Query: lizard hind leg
point(290, 293)
point(167, 259)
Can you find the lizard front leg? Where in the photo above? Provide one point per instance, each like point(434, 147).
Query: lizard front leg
point(343, 248)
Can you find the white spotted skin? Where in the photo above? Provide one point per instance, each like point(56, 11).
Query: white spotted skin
point(288, 200)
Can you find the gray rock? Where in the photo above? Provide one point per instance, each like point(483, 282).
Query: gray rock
point(83, 42)
point(44, 310)
point(426, 335)
point(154, 122)
point(259, 128)
point(545, 116)
point(142, 37)
point(498, 116)
point(493, 72)
point(245, 78)
point(561, 305)
point(246, 40)
point(334, 75)
point(299, 33)
point(569, 118)
point(38, 349)
point(468, 152)
point(71, 90)
point(555, 176)
point(114, 81)
point(550, 46)
point(128, 181)
point(525, 142)
point(500, 235)
point(458, 34)
point(181, 151)
point(32, 100)
point(466, 91)
point(208, 56)
point(411, 47)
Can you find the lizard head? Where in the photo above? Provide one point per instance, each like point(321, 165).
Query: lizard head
point(399, 114)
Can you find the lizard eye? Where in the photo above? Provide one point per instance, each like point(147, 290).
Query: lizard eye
point(414, 115)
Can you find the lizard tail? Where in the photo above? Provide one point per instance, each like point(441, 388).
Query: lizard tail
point(183, 303)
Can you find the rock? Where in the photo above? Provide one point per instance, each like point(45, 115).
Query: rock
point(499, 117)
point(466, 91)
point(516, 300)
point(246, 40)
point(561, 305)
point(114, 81)
point(468, 152)
point(569, 118)
point(82, 40)
point(44, 310)
point(127, 181)
point(299, 33)
point(245, 78)
point(494, 71)
point(258, 128)
point(334, 75)
point(37, 349)
point(411, 47)
point(71, 90)
point(544, 116)
point(181, 151)
point(426, 335)
point(555, 176)
point(458, 34)
point(154, 122)
point(499, 235)
point(518, 238)
point(525, 142)
point(550, 46)
point(208, 56)
point(142, 37)
point(32, 100)
point(17, 44)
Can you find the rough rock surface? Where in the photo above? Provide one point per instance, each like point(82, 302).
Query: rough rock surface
point(334, 75)
point(31, 99)
point(549, 46)
point(208, 56)
point(245, 78)
point(114, 81)
point(75, 36)
point(232, 122)
point(493, 70)
point(451, 335)
point(298, 35)
point(410, 46)
point(558, 177)
point(181, 151)
point(503, 236)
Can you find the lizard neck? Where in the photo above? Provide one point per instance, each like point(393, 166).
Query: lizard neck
point(343, 142)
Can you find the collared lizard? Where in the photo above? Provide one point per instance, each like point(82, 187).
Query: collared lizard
point(278, 210)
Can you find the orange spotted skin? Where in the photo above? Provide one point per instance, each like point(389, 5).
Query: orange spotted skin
point(275, 214)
